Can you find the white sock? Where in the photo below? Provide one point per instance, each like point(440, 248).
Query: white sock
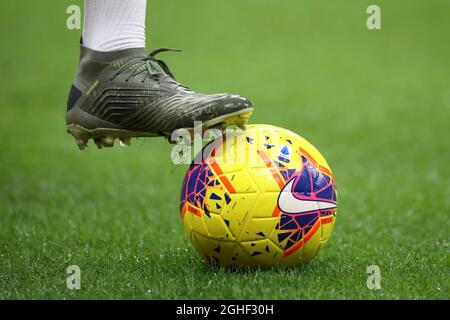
point(111, 25)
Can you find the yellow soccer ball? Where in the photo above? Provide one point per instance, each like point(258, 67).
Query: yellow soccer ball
point(261, 197)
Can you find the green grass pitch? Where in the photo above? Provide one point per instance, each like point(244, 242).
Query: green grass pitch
point(375, 102)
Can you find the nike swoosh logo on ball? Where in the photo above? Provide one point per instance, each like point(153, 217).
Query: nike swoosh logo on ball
point(288, 203)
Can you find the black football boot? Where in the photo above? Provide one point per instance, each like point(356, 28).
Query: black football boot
point(125, 94)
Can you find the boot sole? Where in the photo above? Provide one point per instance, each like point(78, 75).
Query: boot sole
point(105, 137)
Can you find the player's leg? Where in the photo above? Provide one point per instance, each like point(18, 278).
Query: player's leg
point(120, 92)
point(113, 25)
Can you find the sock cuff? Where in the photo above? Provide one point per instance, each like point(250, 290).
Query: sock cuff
point(108, 56)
